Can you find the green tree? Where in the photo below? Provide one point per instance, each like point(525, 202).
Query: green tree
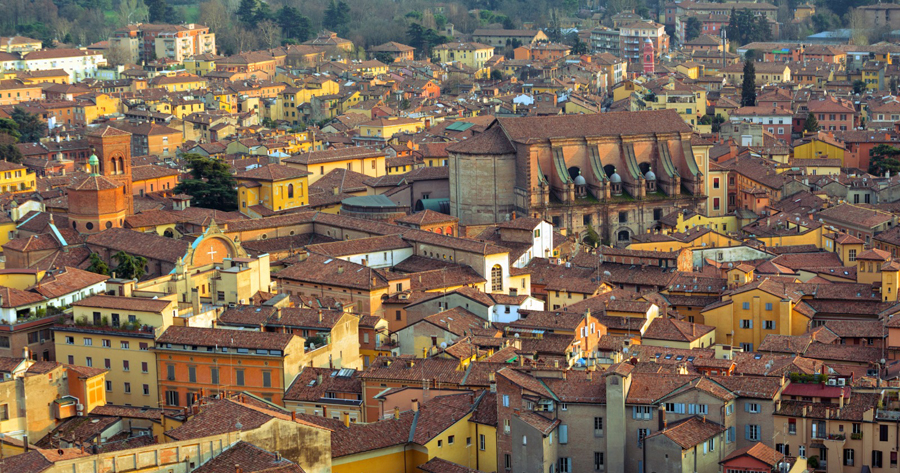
point(496, 74)
point(859, 87)
point(692, 28)
point(745, 27)
point(10, 152)
point(211, 184)
point(337, 17)
point(383, 57)
point(884, 158)
point(98, 265)
point(246, 12)
point(29, 125)
point(811, 125)
point(748, 88)
point(130, 266)
point(156, 10)
point(294, 25)
point(11, 129)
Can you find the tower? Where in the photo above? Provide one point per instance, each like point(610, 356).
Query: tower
point(96, 203)
point(112, 148)
point(648, 57)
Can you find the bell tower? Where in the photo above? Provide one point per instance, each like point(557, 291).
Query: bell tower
point(648, 57)
point(113, 149)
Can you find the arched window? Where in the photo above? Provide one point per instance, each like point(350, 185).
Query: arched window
point(496, 278)
point(290, 191)
point(623, 235)
point(121, 165)
point(113, 166)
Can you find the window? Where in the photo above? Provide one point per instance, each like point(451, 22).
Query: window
point(598, 460)
point(711, 444)
point(239, 377)
point(642, 433)
point(192, 374)
point(851, 255)
point(105, 343)
point(482, 442)
point(768, 306)
point(267, 379)
point(88, 362)
point(506, 400)
point(109, 385)
point(144, 346)
point(171, 398)
point(746, 323)
point(88, 342)
point(598, 426)
point(751, 432)
point(170, 372)
point(848, 457)
point(768, 325)
point(127, 388)
point(642, 413)
point(70, 340)
point(397, 314)
point(745, 306)
point(107, 363)
point(214, 375)
point(146, 389)
point(125, 345)
point(752, 407)
point(856, 428)
point(748, 347)
point(623, 217)
point(876, 459)
point(126, 366)
point(715, 183)
point(144, 367)
point(792, 426)
point(507, 461)
point(565, 465)
point(883, 433)
point(496, 278)
point(717, 204)
point(563, 433)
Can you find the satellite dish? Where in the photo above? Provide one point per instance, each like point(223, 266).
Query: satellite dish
point(612, 298)
point(444, 345)
point(607, 273)
point(881, 361)
point(516, 335)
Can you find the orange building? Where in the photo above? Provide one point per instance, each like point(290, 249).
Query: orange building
point(153, 178)
point(541, 52)
point(95, 202)
point(113, 148)
point(191, 359)
point(88, 385)
point(13, 91)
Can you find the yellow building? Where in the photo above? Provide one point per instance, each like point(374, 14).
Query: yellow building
point(117, 334)
point(846, 246)
point(818, 148)
point(366, 161)
point(274, 187)
point(201, 64)
point(52, 76)
point(15, 178)
point(293, 97)
point(383, 129)
point(686, 99)
point(473, 55)
point(748, 313)
point(183, 82)
point(717, 200)
point(90, 107)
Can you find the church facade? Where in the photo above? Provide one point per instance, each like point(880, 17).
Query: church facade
point(617, 172)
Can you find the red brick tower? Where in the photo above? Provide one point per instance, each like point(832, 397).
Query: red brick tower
point(113, 149)
point(648, 57)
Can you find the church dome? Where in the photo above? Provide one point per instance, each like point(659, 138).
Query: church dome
point(579, 180)
point(650, 176)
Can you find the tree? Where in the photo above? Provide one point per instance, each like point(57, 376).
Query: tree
point(745, 27)
point(10, 152)
point(884, 158)
point(29, 125)
point(496, 74)
point(859, 87)
point(246, 12)
point(132, 11)
point(337, 17)
point(10, 128)
point(811, 125)
point(215, 15)
point(211, 184)
point(748, 88)
point(156, 10)
point(98, 265)
point(118, 55)
point(269, 33)
point(384, 57)
point(293, 24)
point(130, 266)
point(692, 28)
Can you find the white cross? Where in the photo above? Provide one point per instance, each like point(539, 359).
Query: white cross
point(212, 253)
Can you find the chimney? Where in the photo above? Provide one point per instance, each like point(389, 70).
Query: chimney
point(320, 316)
point(293, 416)
point(237, 468)
point(346, 416)
point(396, 412)
point(415, 405)
point(841, 403)
point(319, 379)
point(663, 423)
point(25, 442)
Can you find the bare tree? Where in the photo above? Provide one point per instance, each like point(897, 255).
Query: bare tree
point(118, 55)
point(859, 28)
point(132, 11)
point(269, 33)
point(214, 14)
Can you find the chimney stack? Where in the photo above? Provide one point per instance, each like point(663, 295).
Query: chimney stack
point(396, 413)
point(415, 405)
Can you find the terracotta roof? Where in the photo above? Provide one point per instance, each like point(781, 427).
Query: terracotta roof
point(271, 173)
point(13, 298)
point(327, 270)
point(758, 451)
point(690, 432)
point(439, 465)
point(209, 337)
point(457, 321)
point(312, 384)
point(143, 304)
point(148, 245)
point(222, 416)
point(248, 458)
point(331, 155)
point(397, 369)
point(662, 328)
